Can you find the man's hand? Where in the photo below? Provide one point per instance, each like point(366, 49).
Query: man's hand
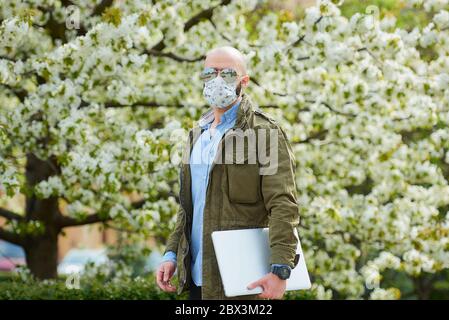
point(273, 287)
point(164, 274)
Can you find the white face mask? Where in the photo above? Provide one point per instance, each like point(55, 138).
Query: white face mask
point(219, 93)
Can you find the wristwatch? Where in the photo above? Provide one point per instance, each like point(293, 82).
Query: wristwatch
point(283, 272)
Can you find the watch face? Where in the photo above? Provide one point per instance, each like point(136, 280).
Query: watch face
point(282, 272)
point(285, 273)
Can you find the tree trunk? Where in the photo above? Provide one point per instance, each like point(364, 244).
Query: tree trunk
point(41, 249)
point(42, 256)
point(423, 286)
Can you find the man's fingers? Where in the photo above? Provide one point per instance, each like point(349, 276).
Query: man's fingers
point(160, 283)
point(167, 274)
point(265, 295)
point(162, 278)
point(164, 285)
point(170, 288)
point(256, 284)
point(159, 274)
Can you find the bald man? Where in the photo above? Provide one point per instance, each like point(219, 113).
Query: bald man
point(224, 195)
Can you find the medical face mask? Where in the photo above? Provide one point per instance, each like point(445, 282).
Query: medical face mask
point(219, 93)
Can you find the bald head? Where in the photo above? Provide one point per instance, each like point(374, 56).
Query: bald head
point(226, 57)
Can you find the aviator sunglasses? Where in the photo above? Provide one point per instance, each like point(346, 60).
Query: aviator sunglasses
point(228, 74)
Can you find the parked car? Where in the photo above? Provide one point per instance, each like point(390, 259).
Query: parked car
point(76, 259)
point(11, 256)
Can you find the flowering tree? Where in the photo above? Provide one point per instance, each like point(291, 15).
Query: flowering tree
point(93, 93)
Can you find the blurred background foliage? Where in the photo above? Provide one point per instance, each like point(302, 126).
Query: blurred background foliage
point(407, 18)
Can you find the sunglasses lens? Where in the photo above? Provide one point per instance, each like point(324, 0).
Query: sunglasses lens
point(229, 75)
point(208, 74)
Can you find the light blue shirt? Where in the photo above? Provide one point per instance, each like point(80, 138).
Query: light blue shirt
point(203, 154)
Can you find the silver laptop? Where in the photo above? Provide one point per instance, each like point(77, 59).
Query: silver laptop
point(243, 257)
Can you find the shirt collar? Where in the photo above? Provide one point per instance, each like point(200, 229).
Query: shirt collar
point(228, 116)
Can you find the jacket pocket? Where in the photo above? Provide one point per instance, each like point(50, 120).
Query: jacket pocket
point(243, 183)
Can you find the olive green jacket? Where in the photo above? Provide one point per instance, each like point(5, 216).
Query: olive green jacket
point(238, 196)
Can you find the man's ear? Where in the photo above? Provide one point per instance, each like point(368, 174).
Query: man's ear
point(244, 82)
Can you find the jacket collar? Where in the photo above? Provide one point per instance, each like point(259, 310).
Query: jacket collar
point(246, 106)
point(242, 122)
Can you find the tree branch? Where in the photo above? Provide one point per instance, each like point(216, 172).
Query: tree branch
point(316, 136)
point(298, 41)
point(152, 104)
point(57, 30)
point(11, 237)
point(101, 7)
point(256, 82)
point(155, 105)
point(139, 104)
point(327, 105)
point(338, 112)
point(205, 14)
point(7, 58)
point(119, 228)
point(65, 221)
point(10, 215)
point(172, 56)
point(19, 93)
point(139, 204)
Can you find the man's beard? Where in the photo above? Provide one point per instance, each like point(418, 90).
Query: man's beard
point(238, 89)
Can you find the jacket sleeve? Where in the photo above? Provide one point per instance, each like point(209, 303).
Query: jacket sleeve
point(175, 236)
point(173, 239)
point(279, 194)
